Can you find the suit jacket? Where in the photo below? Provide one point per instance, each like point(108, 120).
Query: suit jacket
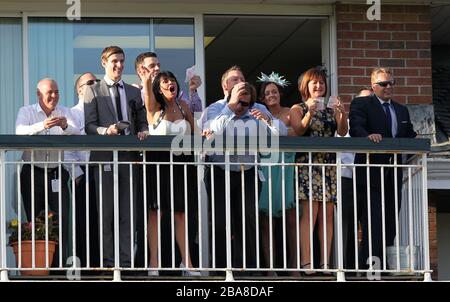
point(99, 113)
point(367, 116)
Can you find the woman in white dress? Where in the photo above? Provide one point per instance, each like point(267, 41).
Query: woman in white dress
point(167, 115)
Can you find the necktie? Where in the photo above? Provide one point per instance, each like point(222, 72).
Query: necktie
point(388, 116)
point(116, 96)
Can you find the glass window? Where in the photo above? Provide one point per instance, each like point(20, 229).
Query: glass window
point(63, 50)
point(11, 99)
point(11, 79)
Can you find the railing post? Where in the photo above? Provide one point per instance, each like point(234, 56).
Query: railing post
point(426, 243)
point(116, 275)
point(229, 273)
point(340, 277)
point(3, 268)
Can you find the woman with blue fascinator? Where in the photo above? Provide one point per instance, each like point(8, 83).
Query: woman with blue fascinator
point(271, 203)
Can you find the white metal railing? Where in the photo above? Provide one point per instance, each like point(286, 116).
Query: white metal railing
point(243, 248)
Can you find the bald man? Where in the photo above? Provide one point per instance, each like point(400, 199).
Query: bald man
point(45, 118)
point(84, 206)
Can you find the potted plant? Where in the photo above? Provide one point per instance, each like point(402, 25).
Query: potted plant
point(26, 244)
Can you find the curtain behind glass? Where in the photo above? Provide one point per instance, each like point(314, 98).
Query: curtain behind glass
point(11, 99)
point(11, 83)
point(50, 53)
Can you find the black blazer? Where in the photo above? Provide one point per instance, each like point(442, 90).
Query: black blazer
point(99, 113)
point(367, 117)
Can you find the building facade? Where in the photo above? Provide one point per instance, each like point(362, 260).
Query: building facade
point(59, 40)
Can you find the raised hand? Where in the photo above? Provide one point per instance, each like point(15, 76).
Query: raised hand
point(194, 83)
point(259, 115)
point(312, 105)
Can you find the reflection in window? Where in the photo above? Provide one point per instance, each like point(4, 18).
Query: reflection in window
point(63, 50)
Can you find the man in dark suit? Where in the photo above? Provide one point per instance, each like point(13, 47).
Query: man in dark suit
point(105, 104)
point(377, 116)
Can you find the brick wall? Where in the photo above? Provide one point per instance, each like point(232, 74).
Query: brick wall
point(401, 40)
point(432, 225)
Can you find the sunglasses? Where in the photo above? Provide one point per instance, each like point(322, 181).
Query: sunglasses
point(243, 104)
point(90, 82)
point(385, 83)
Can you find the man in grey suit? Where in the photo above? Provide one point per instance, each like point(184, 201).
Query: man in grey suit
point(105, 104)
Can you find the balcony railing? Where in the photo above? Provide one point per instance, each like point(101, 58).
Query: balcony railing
point(225, 232)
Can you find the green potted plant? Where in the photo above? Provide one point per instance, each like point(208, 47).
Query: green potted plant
point(41, 229)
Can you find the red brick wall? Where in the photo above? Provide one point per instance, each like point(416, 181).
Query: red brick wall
point(432, 225)
point(401, 40)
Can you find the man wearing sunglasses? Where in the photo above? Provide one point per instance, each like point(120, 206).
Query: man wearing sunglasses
point(378, 116)
point(79, 174)
point(83, 81)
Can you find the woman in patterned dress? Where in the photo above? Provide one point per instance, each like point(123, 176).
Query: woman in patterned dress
point(309, 119)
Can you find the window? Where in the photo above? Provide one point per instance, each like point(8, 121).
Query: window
point(11, 88)
point(63, 50)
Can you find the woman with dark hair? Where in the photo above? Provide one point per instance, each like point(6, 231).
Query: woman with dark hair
point(272, 204)
point(166, 115)
point(311, 118)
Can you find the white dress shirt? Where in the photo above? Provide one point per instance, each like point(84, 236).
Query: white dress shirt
point(30, 121)
point(347, 158)
point(77, 112)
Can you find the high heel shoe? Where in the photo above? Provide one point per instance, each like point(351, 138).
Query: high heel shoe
point(307, 266)
point(189, 273)
point(322, 266)
point(153, 273)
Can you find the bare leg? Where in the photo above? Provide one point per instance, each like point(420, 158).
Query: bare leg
point(305, 230)
point(329, 229)
point(152, 233)
point(180, 229)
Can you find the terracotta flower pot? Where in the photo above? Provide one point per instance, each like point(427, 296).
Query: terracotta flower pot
point(39, 256)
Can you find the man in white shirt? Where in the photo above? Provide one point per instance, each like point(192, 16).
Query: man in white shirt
point(78, 172)
point(77, 113)
point(45, 118)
